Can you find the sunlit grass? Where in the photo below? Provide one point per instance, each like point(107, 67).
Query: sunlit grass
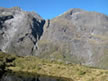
point(75, 72)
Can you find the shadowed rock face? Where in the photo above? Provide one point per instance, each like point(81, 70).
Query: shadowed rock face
point(76, 36)
point(19, 31)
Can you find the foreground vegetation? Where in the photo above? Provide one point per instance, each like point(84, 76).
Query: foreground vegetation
point(35, 65)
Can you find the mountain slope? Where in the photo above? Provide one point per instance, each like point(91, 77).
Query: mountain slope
point(19, 31)
point(77, 36)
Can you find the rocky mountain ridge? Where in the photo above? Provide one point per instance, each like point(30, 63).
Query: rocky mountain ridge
point(19, 30)
point(77, 36)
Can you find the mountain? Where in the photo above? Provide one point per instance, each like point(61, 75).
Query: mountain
point(19, 31)
point(77, 36)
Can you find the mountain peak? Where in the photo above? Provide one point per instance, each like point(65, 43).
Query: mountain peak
point(74, 10)
point(71, 12)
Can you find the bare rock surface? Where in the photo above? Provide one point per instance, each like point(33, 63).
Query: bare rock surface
point(19, 31)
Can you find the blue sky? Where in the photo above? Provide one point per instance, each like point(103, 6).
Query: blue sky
point(51, 8)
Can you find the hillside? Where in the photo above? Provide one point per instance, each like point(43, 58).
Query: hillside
point(31, 66)
point(76, 36)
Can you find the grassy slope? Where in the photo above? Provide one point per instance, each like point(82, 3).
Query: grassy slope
point(57, 69)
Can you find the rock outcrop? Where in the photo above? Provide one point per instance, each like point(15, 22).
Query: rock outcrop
point(77, 36)
point(19, 31)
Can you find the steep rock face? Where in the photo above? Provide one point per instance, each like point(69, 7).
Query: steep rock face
point(19, 31)
point(76, 36)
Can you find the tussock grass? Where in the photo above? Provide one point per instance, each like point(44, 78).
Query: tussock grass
point(75, 72)
point(58, 69)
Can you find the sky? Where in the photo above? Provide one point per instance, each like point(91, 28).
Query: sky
point(49, 9)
